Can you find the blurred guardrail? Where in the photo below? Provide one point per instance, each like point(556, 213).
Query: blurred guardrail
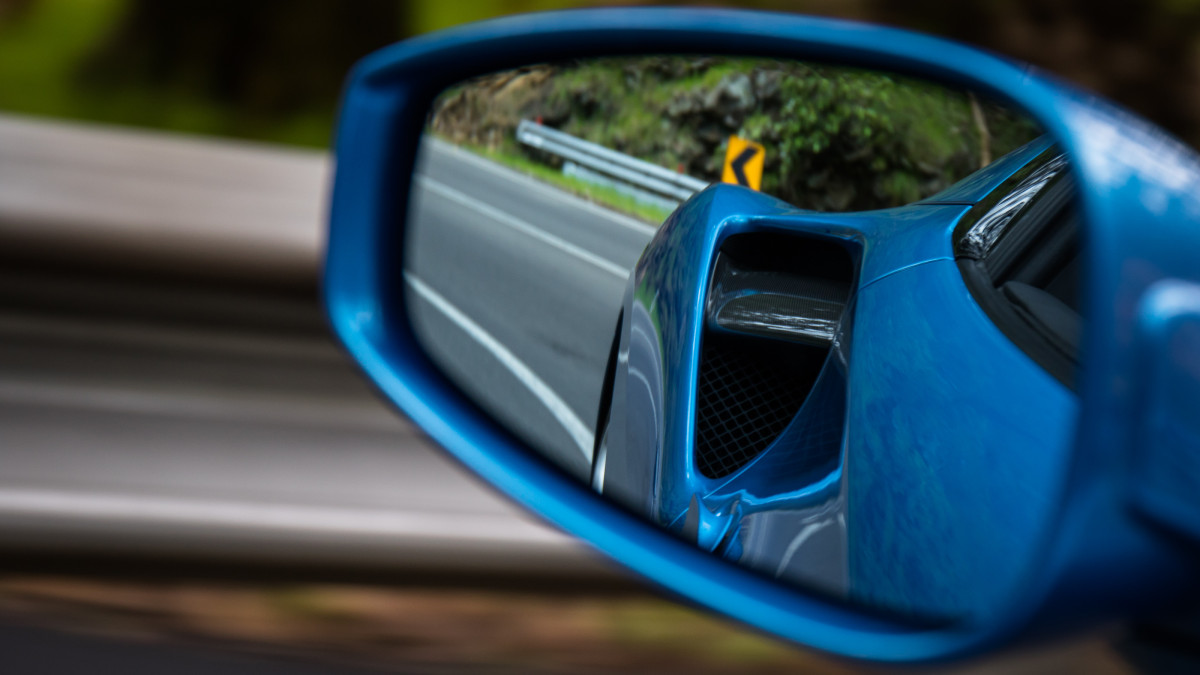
point(596, 163)
point(170, 395)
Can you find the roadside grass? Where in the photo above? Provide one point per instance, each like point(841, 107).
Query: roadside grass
point(597, 194)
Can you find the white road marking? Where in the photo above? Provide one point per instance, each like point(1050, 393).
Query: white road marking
point(808, 531)
point(515, 223)
point(537, 185)
point(575, 428)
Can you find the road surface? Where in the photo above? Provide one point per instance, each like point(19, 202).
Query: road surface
point(517, 288)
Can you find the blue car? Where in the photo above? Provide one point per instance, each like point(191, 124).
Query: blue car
point(955, 322)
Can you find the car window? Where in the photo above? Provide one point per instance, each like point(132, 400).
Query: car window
point(1019, 254)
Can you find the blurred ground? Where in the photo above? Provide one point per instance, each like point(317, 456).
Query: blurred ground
point(452, 630)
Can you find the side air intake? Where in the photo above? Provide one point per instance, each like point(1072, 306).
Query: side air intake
point(773, 308)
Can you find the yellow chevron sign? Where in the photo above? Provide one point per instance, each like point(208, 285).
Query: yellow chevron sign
point(744, 163)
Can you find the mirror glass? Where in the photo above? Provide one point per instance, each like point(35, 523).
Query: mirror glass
point(822, 322)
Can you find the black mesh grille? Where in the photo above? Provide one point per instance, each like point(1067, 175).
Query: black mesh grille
point(746, 397)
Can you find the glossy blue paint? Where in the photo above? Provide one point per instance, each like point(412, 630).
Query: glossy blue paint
point(951, 525)
point(1099, 561)
point(1168, 472)
point(951, 457)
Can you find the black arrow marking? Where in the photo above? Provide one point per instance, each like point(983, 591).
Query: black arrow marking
point(739, 164)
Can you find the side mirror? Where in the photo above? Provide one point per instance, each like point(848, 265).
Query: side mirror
point(916, 376)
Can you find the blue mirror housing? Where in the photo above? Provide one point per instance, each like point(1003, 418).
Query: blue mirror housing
point(1117, 545)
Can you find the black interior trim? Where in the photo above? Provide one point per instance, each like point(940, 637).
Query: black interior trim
point(1057, 323)
point(1026, 332)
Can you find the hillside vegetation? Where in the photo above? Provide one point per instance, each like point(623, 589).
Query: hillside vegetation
point(836, 139)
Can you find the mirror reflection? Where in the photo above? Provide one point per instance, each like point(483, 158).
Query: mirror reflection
point(822, 322)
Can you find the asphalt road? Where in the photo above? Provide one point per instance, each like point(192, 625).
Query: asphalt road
point(517, 288)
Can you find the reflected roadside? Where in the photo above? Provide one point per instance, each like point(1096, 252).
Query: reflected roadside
point(820, 137)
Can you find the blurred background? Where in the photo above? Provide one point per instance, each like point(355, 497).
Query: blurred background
point(193, 476)
point(271, 70)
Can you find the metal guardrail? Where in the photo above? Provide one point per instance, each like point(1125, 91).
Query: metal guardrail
point(592, 161)
point(169, 390)
point(152, 201)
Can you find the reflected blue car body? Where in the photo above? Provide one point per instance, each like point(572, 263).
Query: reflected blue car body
point(940, 432)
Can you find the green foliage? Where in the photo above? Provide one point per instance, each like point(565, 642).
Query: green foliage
point(263, 70)
point(836, 138)
point(847, 139)
point(40, 47)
